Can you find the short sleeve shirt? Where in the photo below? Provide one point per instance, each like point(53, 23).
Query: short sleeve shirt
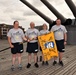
point(32, 33)
point(16, 35)
point(44, 32)
point(59, 31)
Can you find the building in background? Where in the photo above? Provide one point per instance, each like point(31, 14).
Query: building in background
point(39, 27)
point(4, 28)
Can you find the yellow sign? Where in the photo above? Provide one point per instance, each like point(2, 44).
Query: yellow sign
point(48, 45)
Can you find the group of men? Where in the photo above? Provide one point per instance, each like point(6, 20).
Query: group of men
point(16, 37)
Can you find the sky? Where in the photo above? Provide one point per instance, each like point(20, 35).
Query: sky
point(11, 10)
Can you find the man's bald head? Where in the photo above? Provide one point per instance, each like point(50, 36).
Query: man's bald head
point(32, 24)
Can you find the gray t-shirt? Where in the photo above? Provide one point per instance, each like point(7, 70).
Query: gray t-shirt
point(16, 35)
point(59, 31)
point(44, 32)
point(32, 33)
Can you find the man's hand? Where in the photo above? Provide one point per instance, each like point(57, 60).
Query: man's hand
point(65, 42)
point(35, 38)
point(30, 39)
point(11, 46)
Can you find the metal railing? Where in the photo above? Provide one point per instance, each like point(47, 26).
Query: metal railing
point(8, 48)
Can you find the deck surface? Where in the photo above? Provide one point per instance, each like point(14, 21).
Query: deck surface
point(69, 60)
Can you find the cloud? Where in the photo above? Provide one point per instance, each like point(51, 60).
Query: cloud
point(17, 15)
point(18, 18)
point(37, 3)
point(55, 2)
point(11, 10)
point(29, 13)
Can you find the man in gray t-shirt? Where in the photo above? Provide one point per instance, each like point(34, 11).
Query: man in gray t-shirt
point(32, 45)
point(60, 34)
point(31, 34)
point(15, 39)
point(16, 35)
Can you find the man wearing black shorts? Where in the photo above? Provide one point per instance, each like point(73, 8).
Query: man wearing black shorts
point(60, 34)
point(32, 45)
point(15, 39)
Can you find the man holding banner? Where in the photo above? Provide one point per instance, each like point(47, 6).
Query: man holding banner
point(48, 46)
point(44, 31)
point(60, 34)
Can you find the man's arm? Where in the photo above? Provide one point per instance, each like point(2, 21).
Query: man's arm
point(9, 40)
point(65, 38)
point(24, 38)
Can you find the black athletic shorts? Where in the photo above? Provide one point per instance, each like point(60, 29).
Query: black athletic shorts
point(60, 45)
point(32, 47)
point(18, 48)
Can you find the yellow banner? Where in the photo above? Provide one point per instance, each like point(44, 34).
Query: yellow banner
point(48, 45)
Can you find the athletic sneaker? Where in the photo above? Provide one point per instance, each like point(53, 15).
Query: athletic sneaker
point(12, 68)
point(28, 65)
point(42, 62)
point(61, 63)
point(36, 65)
point(20, 66)
point(47, 63)
point(54, 63)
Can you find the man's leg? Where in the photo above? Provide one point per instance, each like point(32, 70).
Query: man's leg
point(29, 60)
point(19, 58)
point(60, 58)
point(44, 62)
point(42, 59)
point(55, 62)
point(13, 61)
point(35, 57)
point(35, 60)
